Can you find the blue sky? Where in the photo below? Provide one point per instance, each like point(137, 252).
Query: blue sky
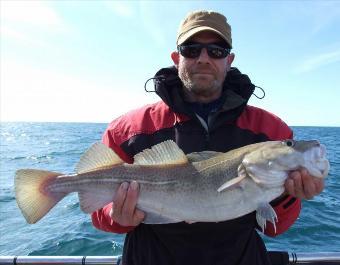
point(87, 61)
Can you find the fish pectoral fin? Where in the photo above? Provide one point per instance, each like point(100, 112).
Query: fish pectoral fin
point(92, 201)
point(264, 213)
point(97, 156)
point(235, 181)
point(165, 153)
point(231, 183)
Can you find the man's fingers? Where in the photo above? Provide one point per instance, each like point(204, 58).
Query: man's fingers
point(294, 185)
point(309, 186)
point(124, 209)
point(130, 200)
point(313, 186)
point(289, 185)
point(319, 185)
point(302, 185)
point(119, 199)
point(298, 186)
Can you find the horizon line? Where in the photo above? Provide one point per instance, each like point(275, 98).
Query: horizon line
point(103, 122)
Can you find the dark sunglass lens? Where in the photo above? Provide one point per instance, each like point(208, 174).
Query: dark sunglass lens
point(190, 51)
point(217, 52)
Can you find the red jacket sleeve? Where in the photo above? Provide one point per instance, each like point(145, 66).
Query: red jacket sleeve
point(101, 218)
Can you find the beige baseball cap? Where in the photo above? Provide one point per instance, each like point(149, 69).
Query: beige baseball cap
point(198, 21)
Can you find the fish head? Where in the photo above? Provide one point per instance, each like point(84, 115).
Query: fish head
point(270, 164)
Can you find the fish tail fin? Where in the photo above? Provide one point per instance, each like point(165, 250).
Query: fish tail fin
point(32, 200)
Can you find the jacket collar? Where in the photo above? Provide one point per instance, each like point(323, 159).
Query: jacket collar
point(237, 89)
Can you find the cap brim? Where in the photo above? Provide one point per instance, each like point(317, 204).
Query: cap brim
point(187, 35)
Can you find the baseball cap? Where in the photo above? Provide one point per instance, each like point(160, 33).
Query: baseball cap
point(202, 20)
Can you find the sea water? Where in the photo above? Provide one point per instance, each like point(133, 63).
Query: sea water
point(66, 230)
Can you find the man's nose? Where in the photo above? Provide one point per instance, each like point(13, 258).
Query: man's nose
point(203, 57)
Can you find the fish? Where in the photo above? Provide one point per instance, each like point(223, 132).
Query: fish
point(203, 186)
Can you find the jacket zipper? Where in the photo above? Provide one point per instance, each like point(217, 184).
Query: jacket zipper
point(206, 128)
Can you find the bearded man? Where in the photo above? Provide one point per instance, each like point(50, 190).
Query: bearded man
point(203, 107)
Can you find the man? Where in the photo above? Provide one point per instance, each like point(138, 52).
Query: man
point(203, 107)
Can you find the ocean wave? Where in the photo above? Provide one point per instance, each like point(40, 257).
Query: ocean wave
point(49, 156)
point(7, 198)
point(31, 157)
point(74, 205)
point(79, 246)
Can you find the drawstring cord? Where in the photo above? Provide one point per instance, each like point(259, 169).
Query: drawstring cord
point(158, 79)
point(162, 78)
point(264, 93)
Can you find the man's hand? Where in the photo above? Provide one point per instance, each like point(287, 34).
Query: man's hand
point(302, 185)
point(124, 211)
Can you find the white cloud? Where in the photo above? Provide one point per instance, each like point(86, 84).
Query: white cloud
point(36, 13)
point(32, 94)
point(20, 36)
point(317, 61)
point(30, 22)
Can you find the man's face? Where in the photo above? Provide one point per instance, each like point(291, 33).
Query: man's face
point(203, 76)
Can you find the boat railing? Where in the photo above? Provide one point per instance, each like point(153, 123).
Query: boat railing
point(277, 258)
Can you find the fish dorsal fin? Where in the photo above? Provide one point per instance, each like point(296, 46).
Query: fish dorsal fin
point(97, 156)
point(165, 153)
point(200, 156)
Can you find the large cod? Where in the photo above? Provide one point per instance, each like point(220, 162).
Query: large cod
point(199, 187)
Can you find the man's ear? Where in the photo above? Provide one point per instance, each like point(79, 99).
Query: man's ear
point(175, 58)
point(230, 58)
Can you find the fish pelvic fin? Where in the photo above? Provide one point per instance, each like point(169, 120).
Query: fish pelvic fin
point(242, 174)
point(156, 217)
point(96, 157)
point(165, 153)
point(33, 202)
point(264, 213)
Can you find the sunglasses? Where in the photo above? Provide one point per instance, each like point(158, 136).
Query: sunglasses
point(194, 50)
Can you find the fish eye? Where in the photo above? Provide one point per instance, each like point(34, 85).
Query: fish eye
point(289, 143)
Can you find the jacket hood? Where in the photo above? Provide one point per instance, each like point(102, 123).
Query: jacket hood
point(237, 89)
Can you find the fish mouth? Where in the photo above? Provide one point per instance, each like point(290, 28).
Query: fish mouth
point(323, 166)
point(316, 161)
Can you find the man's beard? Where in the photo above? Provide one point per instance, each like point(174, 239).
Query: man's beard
point(199, 87)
